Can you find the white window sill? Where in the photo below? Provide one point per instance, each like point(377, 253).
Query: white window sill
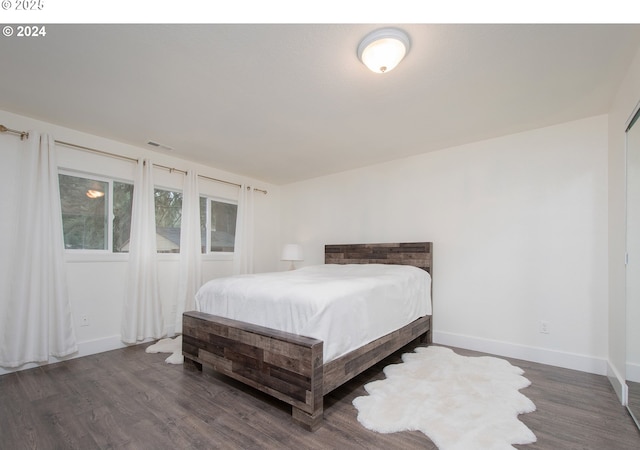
point(222, 256)
point(90, 257)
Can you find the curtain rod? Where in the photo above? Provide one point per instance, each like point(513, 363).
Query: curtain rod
point(25, 135)
point(22, 134)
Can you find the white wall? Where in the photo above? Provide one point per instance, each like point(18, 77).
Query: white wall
point(627, 97)
point(519, 226)
point(97, 283)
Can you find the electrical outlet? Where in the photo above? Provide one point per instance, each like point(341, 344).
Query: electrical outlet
point(84, 320)
point(544, 327)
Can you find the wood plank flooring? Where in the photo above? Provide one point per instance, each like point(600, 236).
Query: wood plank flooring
point(128, 399)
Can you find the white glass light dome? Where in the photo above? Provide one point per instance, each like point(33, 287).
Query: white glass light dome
point(383, 49)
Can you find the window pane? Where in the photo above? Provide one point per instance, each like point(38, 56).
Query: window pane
point(223, 226)
point(122, 203)
point(84, 212)
point(203, 224)
point(168, 218)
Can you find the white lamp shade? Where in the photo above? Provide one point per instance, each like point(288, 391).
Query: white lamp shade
point(292, 252)
point(382, 50)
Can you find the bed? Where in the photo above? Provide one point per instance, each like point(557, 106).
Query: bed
point(292, 367)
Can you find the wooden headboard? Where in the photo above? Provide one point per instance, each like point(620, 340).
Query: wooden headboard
point(417, 254)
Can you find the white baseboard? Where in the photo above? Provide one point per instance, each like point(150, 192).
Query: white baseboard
point(556, 358)
point(534, 354)
point(84, 349)
point(618, 383)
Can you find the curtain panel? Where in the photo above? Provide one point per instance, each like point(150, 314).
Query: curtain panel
point(190, 277)
point(243, 253)
point(142, 310)
point(37, 315)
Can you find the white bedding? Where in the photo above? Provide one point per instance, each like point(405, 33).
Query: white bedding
point(346, 306)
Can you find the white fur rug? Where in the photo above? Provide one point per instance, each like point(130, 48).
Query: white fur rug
point(168, 345)
point(460, 402)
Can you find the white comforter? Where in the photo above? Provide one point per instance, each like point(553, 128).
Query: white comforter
point(346, 306)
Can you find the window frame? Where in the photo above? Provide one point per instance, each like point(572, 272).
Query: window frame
point(84, 255)
point(208, 254)
point(168, 256)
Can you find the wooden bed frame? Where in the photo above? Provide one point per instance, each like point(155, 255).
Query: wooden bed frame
point(288, 366)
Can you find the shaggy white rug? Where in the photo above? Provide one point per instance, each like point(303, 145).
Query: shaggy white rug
point(460, 402)
point(168, 345)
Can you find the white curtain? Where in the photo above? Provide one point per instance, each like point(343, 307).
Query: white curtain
point(243, 250)
point(142, 311)
point(37, 315)
point(190, 277)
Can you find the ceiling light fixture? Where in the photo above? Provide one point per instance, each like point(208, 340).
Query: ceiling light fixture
point(382, 50)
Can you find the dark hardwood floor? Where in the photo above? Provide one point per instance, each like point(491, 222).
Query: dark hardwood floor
point(128, 399)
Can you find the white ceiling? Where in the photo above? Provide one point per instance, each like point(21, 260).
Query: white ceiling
point(282, 103)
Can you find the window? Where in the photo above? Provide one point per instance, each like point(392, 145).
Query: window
point(218, 225)
point(168, 220)
point(85, 208)
point(87, 203)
